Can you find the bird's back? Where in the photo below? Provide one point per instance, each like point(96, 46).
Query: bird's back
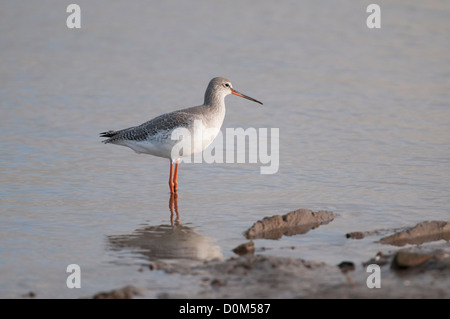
point(163, 124)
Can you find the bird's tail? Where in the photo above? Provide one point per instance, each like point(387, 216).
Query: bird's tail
point(110, 133)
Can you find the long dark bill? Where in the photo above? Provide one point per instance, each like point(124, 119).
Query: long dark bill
point(233, 91)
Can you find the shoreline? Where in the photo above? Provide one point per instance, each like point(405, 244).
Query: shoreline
point(401, 272)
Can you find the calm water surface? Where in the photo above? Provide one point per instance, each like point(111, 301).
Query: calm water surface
point(364, 119)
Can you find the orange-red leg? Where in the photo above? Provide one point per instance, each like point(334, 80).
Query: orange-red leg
point(175, 178)
point(170, 179)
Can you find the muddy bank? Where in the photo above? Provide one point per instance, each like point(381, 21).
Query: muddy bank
point(419, 234)
point(257, 276)
point(400, 272)
point(423, 232)
point(293, 223)
point(403, 273)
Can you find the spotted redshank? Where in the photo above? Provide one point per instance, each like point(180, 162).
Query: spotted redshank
point(155, 136)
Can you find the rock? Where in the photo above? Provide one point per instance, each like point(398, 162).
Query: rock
point(244, 249)
point(421, 233)
point(127, 292)
point(355, 235)
point(217, 283)
point(346, 266)
point(406, 259)
point(296, 222)
point(363, 234)
point(380, 259)
point(30, 294)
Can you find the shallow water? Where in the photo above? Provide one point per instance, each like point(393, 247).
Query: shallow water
point(364, 119)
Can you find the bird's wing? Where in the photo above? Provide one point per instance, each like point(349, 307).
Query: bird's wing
point(162, 123)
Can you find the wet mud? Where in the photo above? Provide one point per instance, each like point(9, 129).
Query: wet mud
point(403, 272)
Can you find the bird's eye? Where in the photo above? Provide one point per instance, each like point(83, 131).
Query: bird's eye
point(227, 85)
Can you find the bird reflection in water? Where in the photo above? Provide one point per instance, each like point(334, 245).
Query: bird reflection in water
point(174, 241)
point(173, 204)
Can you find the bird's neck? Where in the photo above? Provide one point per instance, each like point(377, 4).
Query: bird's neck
point(215, 100)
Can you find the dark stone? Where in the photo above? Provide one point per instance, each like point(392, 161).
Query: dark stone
point(244, 249)
point(346, 266)
point(127, 292)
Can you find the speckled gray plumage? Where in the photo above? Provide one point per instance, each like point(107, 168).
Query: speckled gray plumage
point(149, 129)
